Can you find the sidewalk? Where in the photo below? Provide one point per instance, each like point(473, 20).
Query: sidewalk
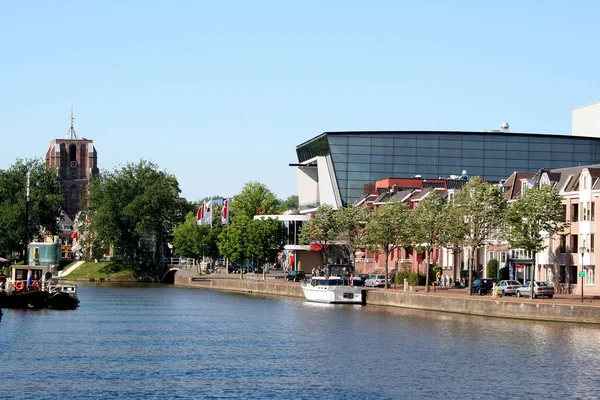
point(559, 298)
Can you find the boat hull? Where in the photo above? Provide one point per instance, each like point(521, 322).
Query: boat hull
point(334, 294)
point(62, 301)
point(24, 300)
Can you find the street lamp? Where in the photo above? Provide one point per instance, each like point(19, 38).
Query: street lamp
point(582, 250)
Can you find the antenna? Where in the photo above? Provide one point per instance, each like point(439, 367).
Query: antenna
point(71, 132)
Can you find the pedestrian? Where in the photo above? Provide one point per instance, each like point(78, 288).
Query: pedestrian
point(313, 271)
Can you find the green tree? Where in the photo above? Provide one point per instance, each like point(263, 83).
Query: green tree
point(321, 230)
point(291, 203)
point(350, 225)
point(427, 222)
point(532, 218)
point(478, 211)
point(492, 269)
point(196, 241)
point(232, 240)
point(264, 239)
point(46, 200)
point(255, 199)
point(387, 230)
point(135, 209)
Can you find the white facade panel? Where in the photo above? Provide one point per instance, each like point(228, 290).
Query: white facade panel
point(586, 121)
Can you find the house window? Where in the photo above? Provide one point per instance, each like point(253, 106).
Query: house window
point(592, 212)
point(592, 239)
point(523, 187)
point(572, 274)
point(574, 242)
point(589, 275)
point(563, 244)
point(564, 213)
point(490, 255)
point(574, 212)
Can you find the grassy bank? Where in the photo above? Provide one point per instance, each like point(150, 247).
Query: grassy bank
point(106, 270)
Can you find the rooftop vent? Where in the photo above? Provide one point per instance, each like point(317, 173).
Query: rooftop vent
point(505, 127)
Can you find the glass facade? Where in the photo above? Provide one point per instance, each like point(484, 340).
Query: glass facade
point(360, 158)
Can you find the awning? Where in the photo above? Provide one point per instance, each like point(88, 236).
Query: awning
point(75, 235)
point(2, 259)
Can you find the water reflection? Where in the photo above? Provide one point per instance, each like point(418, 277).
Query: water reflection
point(160, 341)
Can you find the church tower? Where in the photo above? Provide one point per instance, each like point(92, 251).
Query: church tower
point(76, 161)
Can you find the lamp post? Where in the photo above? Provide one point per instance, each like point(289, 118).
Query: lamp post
point(582, 272)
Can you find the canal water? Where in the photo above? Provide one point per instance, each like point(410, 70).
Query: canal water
point(166, 342)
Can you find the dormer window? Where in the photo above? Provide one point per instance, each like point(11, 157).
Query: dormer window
point(585, 182)
point(523, 187)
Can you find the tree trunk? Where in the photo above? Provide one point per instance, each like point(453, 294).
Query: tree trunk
point(387, 253)
point(426, 270)
point(470, 266)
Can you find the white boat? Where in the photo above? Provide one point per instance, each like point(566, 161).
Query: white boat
point(332, 289)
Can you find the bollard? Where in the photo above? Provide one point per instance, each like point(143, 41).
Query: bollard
point(410, 288)
point(405, 284)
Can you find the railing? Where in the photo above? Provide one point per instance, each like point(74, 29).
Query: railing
point(180, 262)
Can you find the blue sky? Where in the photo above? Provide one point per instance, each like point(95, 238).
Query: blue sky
point(220, 93)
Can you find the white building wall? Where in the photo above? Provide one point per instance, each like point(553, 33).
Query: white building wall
point(315, 185)
point(586, 120)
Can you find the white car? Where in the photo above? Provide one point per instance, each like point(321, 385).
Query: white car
point(376, 280)
point(508, 287)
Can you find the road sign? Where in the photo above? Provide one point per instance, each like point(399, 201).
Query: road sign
point(582, 274)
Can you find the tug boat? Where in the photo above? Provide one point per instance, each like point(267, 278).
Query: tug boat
point(336, 286)
point(30, 287)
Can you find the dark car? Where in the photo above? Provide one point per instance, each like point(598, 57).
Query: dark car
point(482, 286)
point(295, 276)
point(233, 269)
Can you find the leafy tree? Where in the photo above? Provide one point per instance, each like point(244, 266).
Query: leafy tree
point(478, 210)
point(255, 199)
point(350, 225)
point(321, 230)
point(388, 230)
point(264, 239)
point(532, 218)
point(427, 222)
point(135, 209)
point(232, 240)
point(196, 241)
point(46, 200)
point(492, 269)
point(291, 203)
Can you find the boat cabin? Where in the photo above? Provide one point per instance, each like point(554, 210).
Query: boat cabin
point(339, 269)
point(21, 281)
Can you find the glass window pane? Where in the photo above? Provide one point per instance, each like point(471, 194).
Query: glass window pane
point(378, 141)
point(475, 162)
point(358, 167)
point(386, 168)
point(405, 159)
point(382, 150)
point(337, 140)
point(405, 142)
point(361, 176)
point(336, 148)
point(450, 161)
point(359, 141)
point(450, 152)
point(427, 143)
point(422, 151)
point(472, 153)
point(359, 150)
point(359, 158)
point(450, 144)
point(339, 158)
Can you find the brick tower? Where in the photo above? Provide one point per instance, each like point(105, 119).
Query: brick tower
point(76, 161)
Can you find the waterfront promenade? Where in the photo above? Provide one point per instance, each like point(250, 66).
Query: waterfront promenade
point(563, 307)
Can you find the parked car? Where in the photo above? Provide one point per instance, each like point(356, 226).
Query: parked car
point(508, 287)
point(376, 280)
point(358, 281)
point(233, 269)
point(295, 276)
point(364, 277)
point(540, 289)
point(482, 286)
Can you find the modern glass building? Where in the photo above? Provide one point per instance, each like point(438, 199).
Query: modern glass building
point(334, 167)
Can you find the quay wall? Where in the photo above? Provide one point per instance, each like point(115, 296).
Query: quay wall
point(475, 305)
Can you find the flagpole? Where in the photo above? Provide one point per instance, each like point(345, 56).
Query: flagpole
point(25, 254)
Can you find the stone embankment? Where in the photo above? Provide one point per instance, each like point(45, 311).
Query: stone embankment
point(561, 310)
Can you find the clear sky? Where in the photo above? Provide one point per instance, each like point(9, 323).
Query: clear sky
point(220, 93)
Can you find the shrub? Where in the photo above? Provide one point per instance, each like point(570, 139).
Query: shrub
point(492, 269)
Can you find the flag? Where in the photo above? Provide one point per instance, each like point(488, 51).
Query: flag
point(29, 278)
point(225, 212)
point(200, 215)
point(208, 212)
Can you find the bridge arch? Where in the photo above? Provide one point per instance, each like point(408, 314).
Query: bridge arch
point(169, 276)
